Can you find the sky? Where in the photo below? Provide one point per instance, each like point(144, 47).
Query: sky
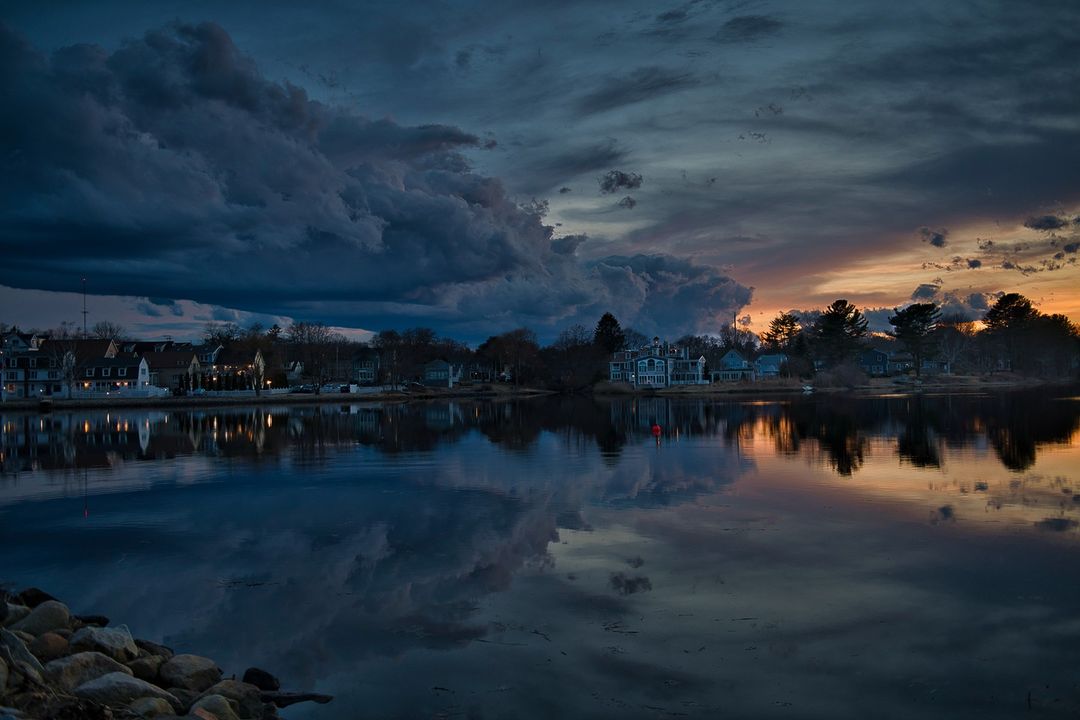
point(474, 167)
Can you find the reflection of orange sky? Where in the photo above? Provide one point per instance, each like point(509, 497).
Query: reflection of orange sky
point(971, 480)
point(887, 278)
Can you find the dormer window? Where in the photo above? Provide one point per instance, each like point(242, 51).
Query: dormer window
point(89, 372)
point(121, 372)
point(106, 372)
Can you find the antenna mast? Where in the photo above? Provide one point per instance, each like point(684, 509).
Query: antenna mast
point(84, 307)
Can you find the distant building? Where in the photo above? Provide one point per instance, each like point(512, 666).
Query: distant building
point(657, 365)
point(174, 369)
point(365, 367)
point(770, 365)
point(733, 368)
point(440, 373)
point(115, 374)
point(874, 363)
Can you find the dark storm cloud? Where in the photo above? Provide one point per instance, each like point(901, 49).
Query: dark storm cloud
point(926, 291)
point(644, 83)
point(748, 28)
point(974, 263)
point(1046, 222)
point(554, 167)
point(627, 203)
point(615, 180)
point(937, 238)
point(171, 167)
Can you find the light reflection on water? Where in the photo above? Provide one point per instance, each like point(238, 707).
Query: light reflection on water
point(812, 557)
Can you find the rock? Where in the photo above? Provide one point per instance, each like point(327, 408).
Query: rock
point(18, 651)
point(150, 707)
point(191, 672)
point(64, 633)
point(98, 620)
point(32, 597)
point(119, 689)
point(154, 649)
point(147, 668)
point(249, 703)
point(3, 676)
point(49, 615)
point(185, 696)
point(24, 636)
point(115, 642)
point(72, 671)
point(285, 699)
point(218, 705)
point(48, 646)
point(261, 679)
point(15, 613)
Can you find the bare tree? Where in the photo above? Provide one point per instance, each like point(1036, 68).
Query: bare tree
point(105, 330)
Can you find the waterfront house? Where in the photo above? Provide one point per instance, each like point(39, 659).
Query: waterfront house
point(441, 373)
point(657, 365)
point(115, 374)
point(365, 367)
point(174, 369)
point(874, 363)
point(770, 365)
point(733, 368)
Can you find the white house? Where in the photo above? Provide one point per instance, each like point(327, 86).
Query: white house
point(733, 368)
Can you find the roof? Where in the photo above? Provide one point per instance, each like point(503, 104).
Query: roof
point(171, 359)
point(85, 350)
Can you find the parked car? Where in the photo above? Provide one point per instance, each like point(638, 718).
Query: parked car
point(302, 389)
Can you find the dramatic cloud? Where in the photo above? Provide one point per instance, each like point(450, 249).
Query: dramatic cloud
point(925, 291)
point(1046, 222)
point(627, 202)
point(642, 84)
point(937, 238)
point(616, 180)
point(974, 263)
point(171, 168)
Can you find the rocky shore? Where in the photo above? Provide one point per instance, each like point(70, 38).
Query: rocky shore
point(55, 665)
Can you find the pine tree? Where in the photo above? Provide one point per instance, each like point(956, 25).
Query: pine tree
point(609, 334)
point(915, 327)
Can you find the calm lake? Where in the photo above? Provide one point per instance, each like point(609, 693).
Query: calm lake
point(806, 557)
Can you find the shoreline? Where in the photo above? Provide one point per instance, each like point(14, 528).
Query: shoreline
point(877, 386)
point(56, 664)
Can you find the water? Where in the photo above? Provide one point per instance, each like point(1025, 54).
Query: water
point(806, 557)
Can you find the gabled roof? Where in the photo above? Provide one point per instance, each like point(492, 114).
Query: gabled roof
point(170, 359)
point(85, 350)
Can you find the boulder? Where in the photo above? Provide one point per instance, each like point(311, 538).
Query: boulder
point(185, 696)
point(3, 676)
point(18, 651)
point(115, 642)
point(24, 636)
point(72, 671)
point(119, 689)
point(247, 698)
point(191, 672)
point(49, 615)
point(15, 613)
point(99, 620)
point(32, 597)
point(153, 648)
point(48, 646)
point(217, 705)
point(261, 679)
point(150, 707)
point(146, 668)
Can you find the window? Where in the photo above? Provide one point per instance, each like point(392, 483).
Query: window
point(54, 375)
point(33, 362)
point(122, 372)
point(90, 372)
point(106, 372)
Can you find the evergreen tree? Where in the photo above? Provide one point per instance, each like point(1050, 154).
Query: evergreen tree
point(609, 334)
point(915, 327)
point(839, 332)
point(781, 333)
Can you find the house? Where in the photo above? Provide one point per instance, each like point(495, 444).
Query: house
point(365, 367)
point(174, 369)
point(874, 363)
point(656, 365)
point(770, 365)
point(45, 367)
point(733, 368)
point(440, 373)
point(116, 374)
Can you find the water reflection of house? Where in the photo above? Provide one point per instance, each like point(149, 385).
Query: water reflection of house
point(440, 417)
